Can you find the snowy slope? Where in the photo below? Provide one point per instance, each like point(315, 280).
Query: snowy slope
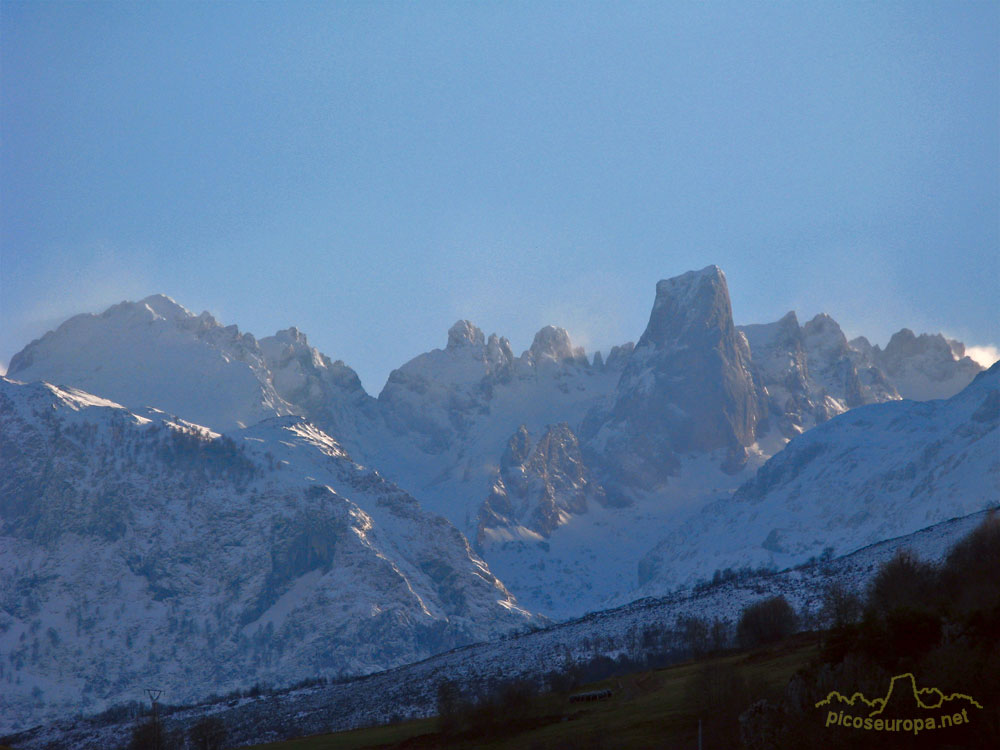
point(139, 550)
point(155, 353)
point(410, 691)
point(876, 472)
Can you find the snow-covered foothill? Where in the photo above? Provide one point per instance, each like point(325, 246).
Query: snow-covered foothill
point(142, 549)
point(876, 472)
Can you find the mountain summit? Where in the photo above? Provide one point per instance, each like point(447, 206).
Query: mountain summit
point(156, 353)
point(683, 417)
point(926, 366)
point(687, 386)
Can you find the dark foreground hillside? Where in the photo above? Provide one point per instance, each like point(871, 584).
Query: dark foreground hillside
point(925, 640)
point(645, 709)
point(913, 662)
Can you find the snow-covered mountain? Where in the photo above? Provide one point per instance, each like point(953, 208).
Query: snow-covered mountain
point(142, 549)
point(620, 450)
point(876, 472)
point(811, 373)
point(155, 353)
point(450, 412)
point(255, 547)
point(686, 387)
point(922, 367)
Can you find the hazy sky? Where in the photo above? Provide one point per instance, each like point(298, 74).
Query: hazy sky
point(371, 172)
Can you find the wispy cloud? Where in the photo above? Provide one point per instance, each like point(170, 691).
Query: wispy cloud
point(589, 306)
point(984, 355)
point(108, 276)
point(77, 282)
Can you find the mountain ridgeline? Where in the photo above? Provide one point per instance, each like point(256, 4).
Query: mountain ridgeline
point(186, 504)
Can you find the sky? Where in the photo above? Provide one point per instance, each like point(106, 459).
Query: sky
point(372, 172)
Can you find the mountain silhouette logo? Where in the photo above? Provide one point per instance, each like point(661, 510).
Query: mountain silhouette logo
point(905, 707)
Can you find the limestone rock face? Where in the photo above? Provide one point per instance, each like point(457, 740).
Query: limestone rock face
point(687, 385)
point(328, 393)
point(539, 487)
point(552, 344)
point(811, 373)
point(842, 371)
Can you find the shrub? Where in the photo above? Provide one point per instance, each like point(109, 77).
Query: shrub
point(208, 733)
point(841, 606)
point(152, 735)
point(449, 706)
point(968, 580)
point(695, 632)
point(765, 622)
point(939, 623)
point(902, 582)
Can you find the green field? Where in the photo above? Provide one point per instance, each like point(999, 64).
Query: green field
point(648, 709)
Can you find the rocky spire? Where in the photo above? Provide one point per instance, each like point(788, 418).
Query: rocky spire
point(463, 334)
point(687, 386)
point(553, 344)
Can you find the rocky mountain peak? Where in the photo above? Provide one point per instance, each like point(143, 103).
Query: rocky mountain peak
point(904, 343)
point(778, 339)
point(788, 325)
point(290, 336)
point(687, 385)
point(551, 341)
point(553, 344)
point(810, 372)
point(540, 486)
point(863, 346)
point(927, 366)
point(165, 307)
point(824, 334)
point(618, 356)
point(517, 450)
point(464, 334)
point(499, 355)
point(688, 305)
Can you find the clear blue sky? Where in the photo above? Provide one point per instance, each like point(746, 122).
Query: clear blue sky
point(371, 172)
